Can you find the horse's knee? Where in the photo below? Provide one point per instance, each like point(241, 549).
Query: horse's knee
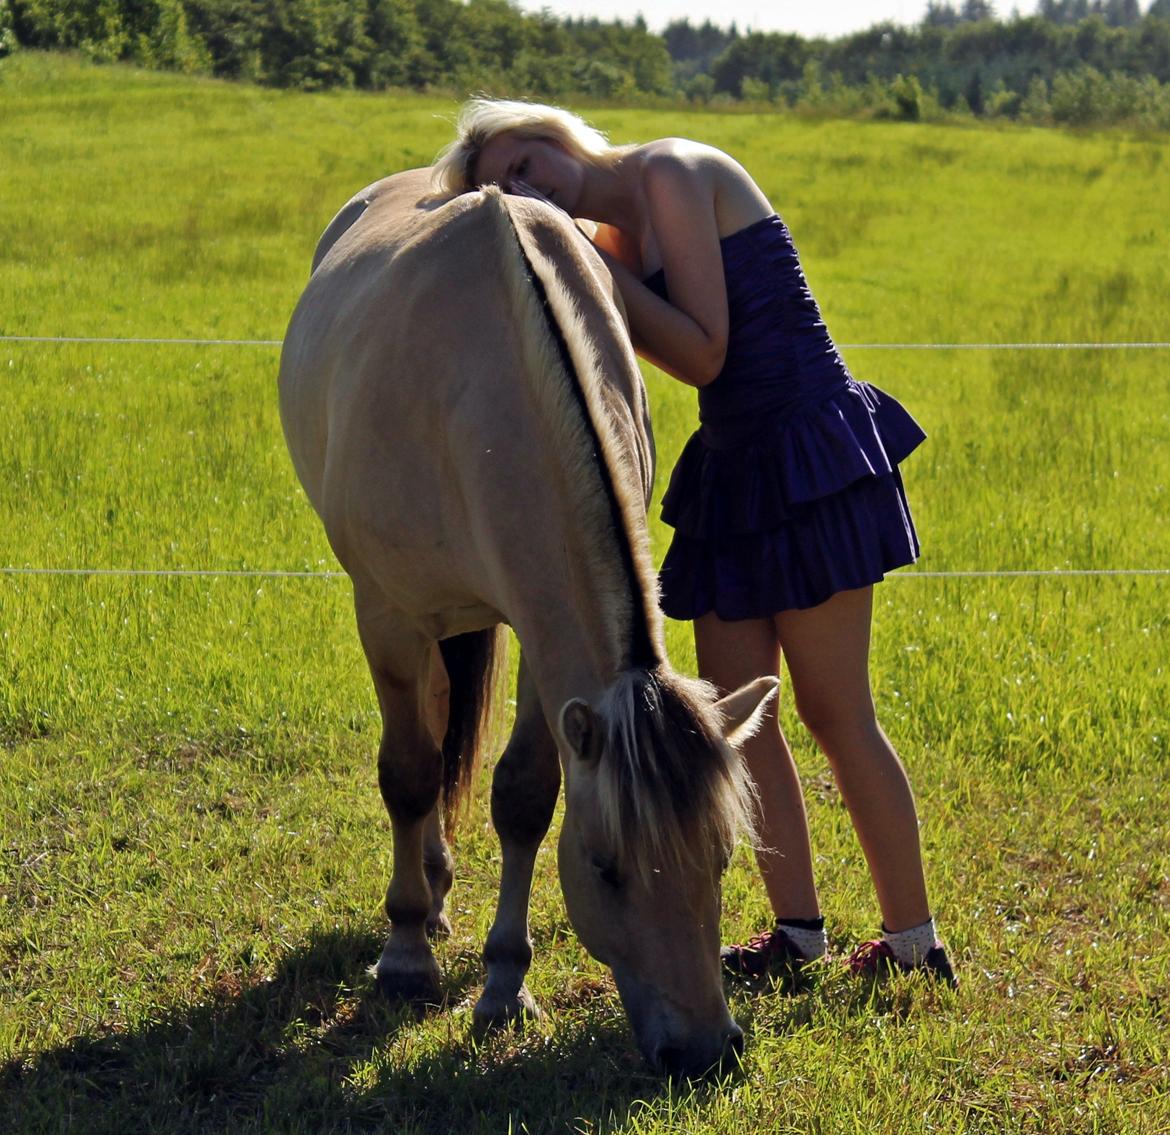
point(410, 779)
point(402, 663)
point(524, 793)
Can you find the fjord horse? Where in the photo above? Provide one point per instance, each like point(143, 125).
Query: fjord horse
point(466, 415)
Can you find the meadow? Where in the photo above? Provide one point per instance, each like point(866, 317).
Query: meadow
point(193, 852)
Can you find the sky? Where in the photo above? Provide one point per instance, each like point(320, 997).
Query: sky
point(829, 18)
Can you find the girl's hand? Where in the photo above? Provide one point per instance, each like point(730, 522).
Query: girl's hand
point(614, 245)
point(519, 188)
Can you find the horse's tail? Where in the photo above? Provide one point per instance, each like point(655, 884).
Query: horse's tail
point(475, 664)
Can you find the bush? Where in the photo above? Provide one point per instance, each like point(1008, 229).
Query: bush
point(754, 90)
point(170, 44)
point(1035, 107)
point(7, 30)
point(700, 89)
point(907, 94)
point(1002, 103)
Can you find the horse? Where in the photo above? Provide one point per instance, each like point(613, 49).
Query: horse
point(464, 410)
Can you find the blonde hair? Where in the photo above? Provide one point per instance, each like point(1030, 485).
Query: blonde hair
point(481, 119)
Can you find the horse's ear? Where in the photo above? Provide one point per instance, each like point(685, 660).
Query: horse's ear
point(581, 730)
point(742, 712)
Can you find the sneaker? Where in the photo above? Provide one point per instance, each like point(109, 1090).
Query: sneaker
point(770, 952)
point(876, 959)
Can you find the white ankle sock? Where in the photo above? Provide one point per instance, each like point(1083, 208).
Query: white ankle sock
point(811, 941)
point(911, 946)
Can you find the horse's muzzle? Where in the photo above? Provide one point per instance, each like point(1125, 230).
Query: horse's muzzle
point(694, 1061)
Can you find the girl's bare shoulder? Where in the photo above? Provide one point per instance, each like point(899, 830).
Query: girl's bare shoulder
point(675, 165)
point(682, 155)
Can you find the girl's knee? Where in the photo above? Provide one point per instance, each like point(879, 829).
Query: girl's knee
point(835, 717)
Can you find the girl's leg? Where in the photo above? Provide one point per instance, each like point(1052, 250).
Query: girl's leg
point(730, 654)
point(827, 649)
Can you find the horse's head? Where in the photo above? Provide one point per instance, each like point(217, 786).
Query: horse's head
point(655, 796)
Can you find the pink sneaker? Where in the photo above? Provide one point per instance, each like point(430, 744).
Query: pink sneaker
point(876, 958)
point(770, 952)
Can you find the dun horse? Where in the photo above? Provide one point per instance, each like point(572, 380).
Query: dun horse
point(466, 415)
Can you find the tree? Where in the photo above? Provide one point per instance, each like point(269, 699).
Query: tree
point(1113, 63)
point(1150, 51)
point(769, 58)
point(687, 43)
point(976, 11)
point(940, 16)
point(1119, 13)
point(1064, 11)
point(974, 93)
point(397, 58)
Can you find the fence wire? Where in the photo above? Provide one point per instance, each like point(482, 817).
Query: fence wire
point(265, 573)
point(1152, 345)
point(330, 575)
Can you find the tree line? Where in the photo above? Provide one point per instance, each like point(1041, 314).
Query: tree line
point(1076, 62)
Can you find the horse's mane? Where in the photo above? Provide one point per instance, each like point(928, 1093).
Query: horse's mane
point(667, 777)
point(600, 486)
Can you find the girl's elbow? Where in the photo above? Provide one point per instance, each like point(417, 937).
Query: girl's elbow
point(710, 366)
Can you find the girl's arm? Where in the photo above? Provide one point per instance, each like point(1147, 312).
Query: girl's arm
point(688, 336)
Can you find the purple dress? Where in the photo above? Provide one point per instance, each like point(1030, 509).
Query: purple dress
point(789, 491)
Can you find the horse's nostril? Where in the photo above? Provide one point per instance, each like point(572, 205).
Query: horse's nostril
point(732, 1058)
point(670, 1060)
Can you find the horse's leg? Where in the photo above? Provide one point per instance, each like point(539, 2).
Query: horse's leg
point(409, 775)
point(524, 793)
point(439, 868)
point(438, 862)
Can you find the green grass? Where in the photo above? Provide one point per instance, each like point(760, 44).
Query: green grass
point(192, 847)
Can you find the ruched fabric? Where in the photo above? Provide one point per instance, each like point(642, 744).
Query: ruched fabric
point(789, 491)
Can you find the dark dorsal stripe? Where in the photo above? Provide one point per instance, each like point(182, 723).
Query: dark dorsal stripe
point(643, 652)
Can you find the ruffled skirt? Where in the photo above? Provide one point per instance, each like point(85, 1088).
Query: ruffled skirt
point(784, 514)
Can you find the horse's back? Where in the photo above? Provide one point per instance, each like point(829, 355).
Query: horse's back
point(408, 381)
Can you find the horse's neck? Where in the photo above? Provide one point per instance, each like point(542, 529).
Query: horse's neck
point(580, 599)
point(571, 645)
point(576, 637)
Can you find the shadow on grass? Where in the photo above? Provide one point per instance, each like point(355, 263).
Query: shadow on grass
point(317, 1049)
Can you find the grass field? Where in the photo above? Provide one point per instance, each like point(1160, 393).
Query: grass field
point(192, 848)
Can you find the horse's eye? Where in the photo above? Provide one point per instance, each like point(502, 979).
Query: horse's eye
point(607, 872)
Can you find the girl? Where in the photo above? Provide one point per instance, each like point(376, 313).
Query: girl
point(787, 504)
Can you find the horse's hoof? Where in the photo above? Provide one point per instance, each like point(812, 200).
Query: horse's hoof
point(439, 927)
point(414, 988)
point(490, 1015)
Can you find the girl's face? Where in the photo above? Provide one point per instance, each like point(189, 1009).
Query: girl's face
point(539, 164)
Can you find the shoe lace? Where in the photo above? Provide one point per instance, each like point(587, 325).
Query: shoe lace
point(766, 942)
point(869, 955)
